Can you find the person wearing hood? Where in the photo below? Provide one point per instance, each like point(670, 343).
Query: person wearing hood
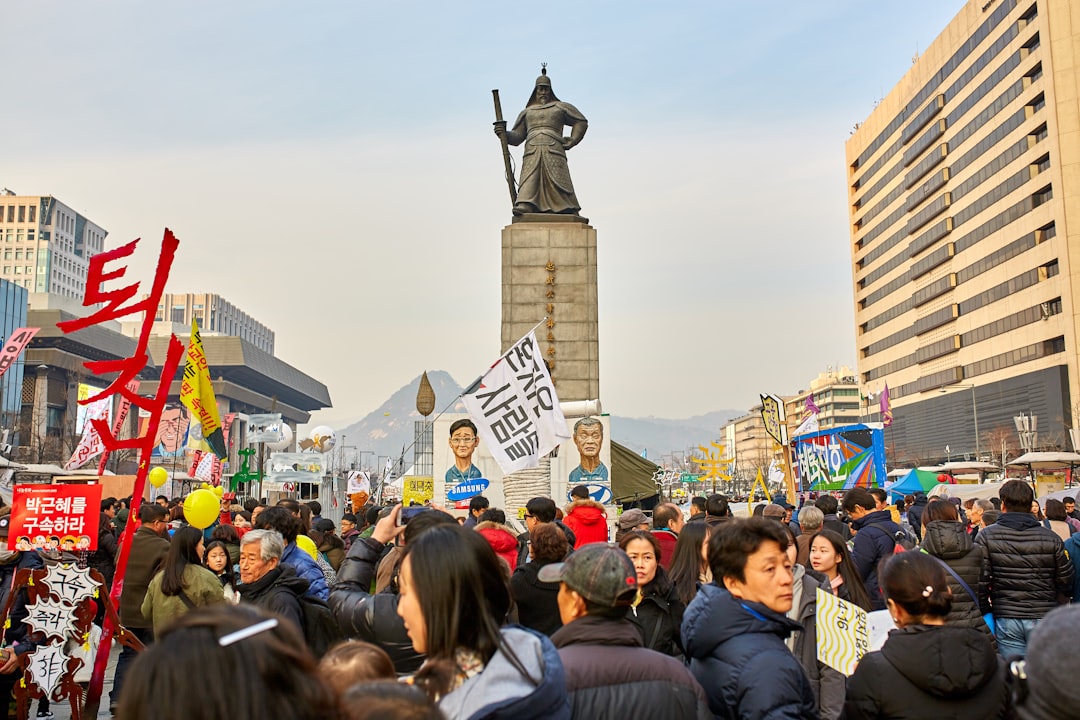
point(875, 539)
point(492, 526)
point(586, 517)
point(945, 538)
point(926, 669)
point(537, 601)
point(608, 672)
point(735, 628)
point(454, 604)
point(656, 609)
point(1028, 568)
point(265, 582)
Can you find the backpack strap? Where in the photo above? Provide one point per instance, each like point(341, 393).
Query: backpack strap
point(882, 528)
point(967, 588)
point(186, 600)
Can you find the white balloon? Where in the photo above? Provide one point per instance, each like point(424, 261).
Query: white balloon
point(286, 439)
point(323, 438)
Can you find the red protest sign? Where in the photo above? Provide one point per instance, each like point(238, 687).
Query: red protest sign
point(54, 517)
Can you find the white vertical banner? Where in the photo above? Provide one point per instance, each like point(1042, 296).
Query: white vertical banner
point(516, 410)
point(90, 444)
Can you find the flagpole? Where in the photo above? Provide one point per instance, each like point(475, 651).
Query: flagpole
point(430, 423)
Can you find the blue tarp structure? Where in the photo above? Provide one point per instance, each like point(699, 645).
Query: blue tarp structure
point(914, 481)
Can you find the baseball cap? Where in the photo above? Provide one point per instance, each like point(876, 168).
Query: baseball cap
point(632, 518)
point(782, 502)
point(774, 510)
point(600, 573)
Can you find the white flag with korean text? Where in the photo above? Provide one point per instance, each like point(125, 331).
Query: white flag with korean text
point(90, 444)
point(516, 410)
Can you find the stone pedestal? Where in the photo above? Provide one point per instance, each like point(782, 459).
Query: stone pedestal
point(549, 270)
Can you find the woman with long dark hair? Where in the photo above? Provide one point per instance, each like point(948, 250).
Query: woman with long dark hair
point(689, 563)
point(926, 669)
point(945, 538)
point(657, 609)
point(829, 556)
point(183, 583)
point(454, 601)
point(261, 668)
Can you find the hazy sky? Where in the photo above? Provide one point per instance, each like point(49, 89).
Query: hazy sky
point(330, 168)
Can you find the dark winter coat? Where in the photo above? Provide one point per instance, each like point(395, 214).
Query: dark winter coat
point(838, 526)
point(278, 591)
point(872, 545)
point(104, 558)
point(372, 618)
point(659, 616)
point(610, 675)
point(828, 684)
point(950, 543)
point(929, 672)
point(1027, 566)
point(915, 511)
point(588, 520)
point(537, 602)
point(737, 653)
point(148, 550)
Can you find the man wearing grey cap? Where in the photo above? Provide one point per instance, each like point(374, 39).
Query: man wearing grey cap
point(609, 673)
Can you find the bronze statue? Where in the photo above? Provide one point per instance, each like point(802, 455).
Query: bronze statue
point(544, 185)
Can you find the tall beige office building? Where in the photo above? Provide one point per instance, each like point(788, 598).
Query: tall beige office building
point(964, 192)
point(215, 314)
point(45, 246)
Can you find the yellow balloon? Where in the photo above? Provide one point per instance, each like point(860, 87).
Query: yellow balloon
point(307, 545)
point(158, 476)
point(218, 490)
point(201, 509)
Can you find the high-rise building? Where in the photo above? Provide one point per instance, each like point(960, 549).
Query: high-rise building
point(964, 192)
point(836, 395)
point(13, 308)
point(215, 314)
point(46, 246)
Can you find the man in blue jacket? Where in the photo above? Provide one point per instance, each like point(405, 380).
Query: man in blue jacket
point(875, 539)
point(734, 630)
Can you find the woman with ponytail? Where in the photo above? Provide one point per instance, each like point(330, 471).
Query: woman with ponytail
point(926, 668)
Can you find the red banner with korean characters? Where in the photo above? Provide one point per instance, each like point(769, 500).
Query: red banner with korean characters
point(63, 517)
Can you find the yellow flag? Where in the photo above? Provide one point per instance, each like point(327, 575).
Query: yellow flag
point(197, 394)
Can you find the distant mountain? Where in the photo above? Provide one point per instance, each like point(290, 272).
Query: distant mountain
point(390, 427)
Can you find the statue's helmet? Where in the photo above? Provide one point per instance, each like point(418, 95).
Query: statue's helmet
point(544, 81)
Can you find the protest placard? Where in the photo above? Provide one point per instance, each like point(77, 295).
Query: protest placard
point(843, 632)
point(54, 517)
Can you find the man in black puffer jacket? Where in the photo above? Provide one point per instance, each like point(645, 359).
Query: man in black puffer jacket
point(875, 539)
point(609, 674)
point(1028, 568)
point(374, 618)
point(914, 513)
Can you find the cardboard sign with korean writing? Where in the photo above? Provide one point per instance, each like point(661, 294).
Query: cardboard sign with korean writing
point(61, 517)
point(843, 632)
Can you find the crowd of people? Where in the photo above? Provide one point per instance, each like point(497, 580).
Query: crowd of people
point(274, 611)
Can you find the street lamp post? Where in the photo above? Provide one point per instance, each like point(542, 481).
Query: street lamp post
point(974, 413)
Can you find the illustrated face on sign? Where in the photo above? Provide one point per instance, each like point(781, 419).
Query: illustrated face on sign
point(84, 542)
point(589, 437)
point(463, 439)
point(171, 430)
